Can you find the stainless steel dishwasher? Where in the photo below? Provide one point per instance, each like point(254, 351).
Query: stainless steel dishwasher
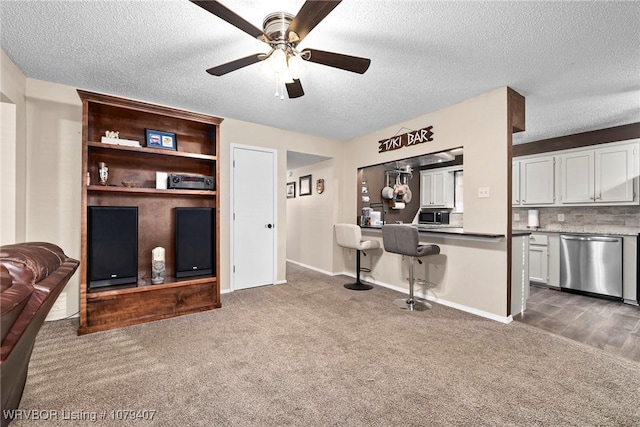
point(591, 264)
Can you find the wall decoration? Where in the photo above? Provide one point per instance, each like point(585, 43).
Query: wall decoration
point(320, 186)
point(406, 139)
point(291, 190)
point(159, 139)
point(305, 185)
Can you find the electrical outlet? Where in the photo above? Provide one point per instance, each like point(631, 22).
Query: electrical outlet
point(483, 193)
point(560, 217)
point(516, 217)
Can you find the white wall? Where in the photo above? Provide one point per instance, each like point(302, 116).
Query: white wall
point(308, 214)
point(48, 175)
point(239, 132)
point(13, 86)
point(7, 173)
point(471, 274)
point(48, 157)
point(54, 169)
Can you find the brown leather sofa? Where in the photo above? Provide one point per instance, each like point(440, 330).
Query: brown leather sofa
point(32, 275)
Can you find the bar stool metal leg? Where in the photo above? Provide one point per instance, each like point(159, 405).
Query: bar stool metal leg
point(358, 285)
point(411, 303)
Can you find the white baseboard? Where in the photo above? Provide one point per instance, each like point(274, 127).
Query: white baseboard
point(455, 305)
point(230, 291)
point(310, 267)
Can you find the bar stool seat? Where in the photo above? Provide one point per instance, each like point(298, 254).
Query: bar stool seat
point(404, 240)
point(350, 236)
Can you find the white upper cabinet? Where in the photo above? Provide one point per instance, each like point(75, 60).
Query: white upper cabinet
point(576, 177)
point(437, 188)
point(515, 183)
point(537, 181)
point(604, 175)
point(615, 173)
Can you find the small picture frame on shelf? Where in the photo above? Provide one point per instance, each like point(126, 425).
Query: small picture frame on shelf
point(291, 190)
point(159, 139)
point(305, 185)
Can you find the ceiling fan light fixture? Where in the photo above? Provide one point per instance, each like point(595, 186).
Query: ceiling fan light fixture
point(278, 60)
point(275, 25)
point(296, 65)
point(282, 32)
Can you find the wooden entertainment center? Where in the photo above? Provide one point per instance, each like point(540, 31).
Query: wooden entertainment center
point(132, 182)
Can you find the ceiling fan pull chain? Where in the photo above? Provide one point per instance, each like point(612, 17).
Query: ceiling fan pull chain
point(280, 86)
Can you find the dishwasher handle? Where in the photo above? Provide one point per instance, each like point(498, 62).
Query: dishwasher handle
point(592, 238)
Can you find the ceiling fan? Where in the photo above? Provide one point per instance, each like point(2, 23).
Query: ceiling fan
point(283, 32)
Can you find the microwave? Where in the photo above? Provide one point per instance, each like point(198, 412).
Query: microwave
point(434, 217)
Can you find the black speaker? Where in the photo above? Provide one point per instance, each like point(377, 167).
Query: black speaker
point(194, 242)
point(112, 245)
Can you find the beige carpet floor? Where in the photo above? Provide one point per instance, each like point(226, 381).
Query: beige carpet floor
point(312, 353)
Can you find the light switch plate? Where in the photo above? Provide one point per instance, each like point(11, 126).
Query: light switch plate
point(483, 192)
point(516, 217)
point(560, 217)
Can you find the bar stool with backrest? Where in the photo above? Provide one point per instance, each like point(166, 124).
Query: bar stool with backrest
point(350, 236)
point(404, 240)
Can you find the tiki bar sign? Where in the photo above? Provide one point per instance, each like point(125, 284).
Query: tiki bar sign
point(406, 139)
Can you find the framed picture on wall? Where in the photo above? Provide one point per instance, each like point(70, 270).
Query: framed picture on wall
point(159, 139)
point(305, 185)
point(291, 190)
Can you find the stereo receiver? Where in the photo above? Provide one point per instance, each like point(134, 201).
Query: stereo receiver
point(190, 181)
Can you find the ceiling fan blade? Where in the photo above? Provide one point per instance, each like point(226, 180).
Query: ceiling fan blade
point(295, 89)
point(310, 15)
point(234, 65)
point(337, 60)
point(231, 17)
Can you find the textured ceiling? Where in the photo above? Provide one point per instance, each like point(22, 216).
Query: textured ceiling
point(577, 63)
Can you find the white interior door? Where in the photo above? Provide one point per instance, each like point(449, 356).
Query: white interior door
point(253, 217)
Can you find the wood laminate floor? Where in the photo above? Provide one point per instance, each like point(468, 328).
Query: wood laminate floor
point(609, 325)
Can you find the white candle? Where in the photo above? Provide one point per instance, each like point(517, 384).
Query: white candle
point(158, 254)
point(157, 265)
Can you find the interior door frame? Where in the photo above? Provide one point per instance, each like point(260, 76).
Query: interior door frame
point(274, 152)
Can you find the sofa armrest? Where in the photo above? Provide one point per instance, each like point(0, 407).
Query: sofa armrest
point(38, 306)
point(12, 301)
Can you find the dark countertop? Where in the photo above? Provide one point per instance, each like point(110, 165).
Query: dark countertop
point(588, 229)
point(451, 231)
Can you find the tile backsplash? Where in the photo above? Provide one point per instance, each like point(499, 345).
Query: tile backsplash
point(582, 218)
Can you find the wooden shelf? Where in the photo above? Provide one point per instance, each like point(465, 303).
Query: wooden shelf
point(145, 286)
point(198, 138)
point(153, 151)
point(155, 191)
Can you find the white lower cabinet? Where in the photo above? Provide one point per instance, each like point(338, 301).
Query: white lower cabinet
point(544, 258)
point(538, 259)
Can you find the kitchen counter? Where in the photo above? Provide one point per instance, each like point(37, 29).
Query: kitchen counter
point(586, 229)
point(456, 232)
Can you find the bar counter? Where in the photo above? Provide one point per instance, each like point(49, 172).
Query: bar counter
point(446, 231)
